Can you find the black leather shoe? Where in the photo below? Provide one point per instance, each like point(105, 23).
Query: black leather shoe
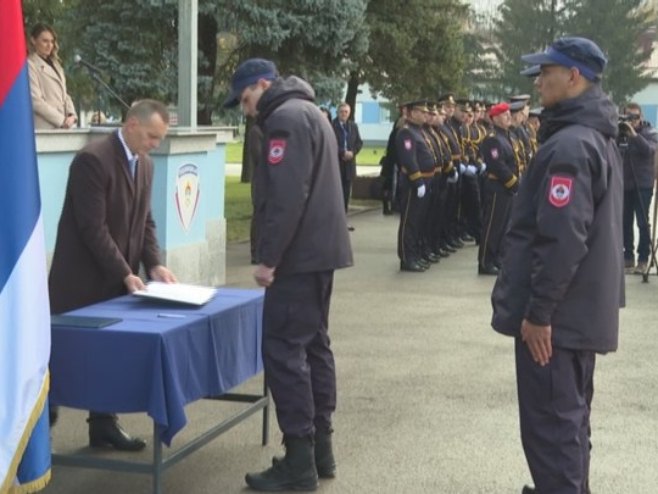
point(107, 433)
point(528, 490)
point(489, 270)
point(467, 238)
point(411, 266)
point(448, 248)
point(455, 243)
point(424, 263)
point(431, 257)
point(443, 253)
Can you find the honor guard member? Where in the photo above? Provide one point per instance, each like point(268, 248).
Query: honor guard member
point(522, 129)
point(499, 188)
point(534, 123)
point(447, 179)
point(453, 129)
point(474, 167)
point(416, 170)
point(303, 239)
point(519, 137)
point(561, 281)
point(389, 168)
point(437, 186)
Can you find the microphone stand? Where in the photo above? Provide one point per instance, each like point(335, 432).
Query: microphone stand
point(98, 81)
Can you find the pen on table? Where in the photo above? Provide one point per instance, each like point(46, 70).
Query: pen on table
point(172, 316)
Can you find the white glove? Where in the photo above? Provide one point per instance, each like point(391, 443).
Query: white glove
point(453, 177)
point(462, 167)
point(483, 168)
point(471, 170)
point(421, 191)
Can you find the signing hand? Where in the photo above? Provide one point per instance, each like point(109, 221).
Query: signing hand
point(264, 275)
point(133, 283)
point(161, 273)
point(538, 339)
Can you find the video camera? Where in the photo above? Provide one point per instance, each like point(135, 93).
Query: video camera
point(626, 124)
point(628, 118)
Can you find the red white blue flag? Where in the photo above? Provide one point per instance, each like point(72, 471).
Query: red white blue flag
point(24, 306)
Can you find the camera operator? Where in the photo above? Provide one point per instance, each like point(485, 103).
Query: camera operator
point(637, 143)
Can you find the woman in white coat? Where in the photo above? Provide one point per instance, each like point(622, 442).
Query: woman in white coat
point(51, 105)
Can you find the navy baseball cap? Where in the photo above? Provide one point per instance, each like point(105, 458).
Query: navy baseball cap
point(532, 71)
point(249, 72)
point(581, 53)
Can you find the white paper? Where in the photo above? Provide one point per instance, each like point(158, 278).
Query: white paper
point(177, 292)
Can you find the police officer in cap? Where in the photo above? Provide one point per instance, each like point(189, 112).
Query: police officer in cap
point(561, 281)
point(416, 160)
point(303, 239)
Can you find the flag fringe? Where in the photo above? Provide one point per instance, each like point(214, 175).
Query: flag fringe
point(7, 484)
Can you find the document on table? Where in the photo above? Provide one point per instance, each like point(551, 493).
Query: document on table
point(177, 292)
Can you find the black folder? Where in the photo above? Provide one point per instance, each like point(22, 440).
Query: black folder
point(82, 321)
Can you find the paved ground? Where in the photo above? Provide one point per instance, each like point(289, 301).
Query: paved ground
point(426, 391)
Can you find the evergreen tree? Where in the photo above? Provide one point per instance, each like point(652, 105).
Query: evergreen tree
point(618, 27)
point(134, 43)
point(523, 27)
point(415, 49)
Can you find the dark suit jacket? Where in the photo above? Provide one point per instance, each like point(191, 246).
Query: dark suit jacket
point(354, 144)
point(106, 228)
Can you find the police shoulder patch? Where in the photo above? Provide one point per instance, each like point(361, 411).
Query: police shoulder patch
point(560, 191)
point(407, 144)
point(494, 153)
point(277, 150)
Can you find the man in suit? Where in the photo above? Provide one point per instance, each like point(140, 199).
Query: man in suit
point(106, 231)
point(349, 145)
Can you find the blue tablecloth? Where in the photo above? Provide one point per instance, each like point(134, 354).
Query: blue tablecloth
point(153, 363)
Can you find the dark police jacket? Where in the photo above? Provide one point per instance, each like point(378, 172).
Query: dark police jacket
point(303, 226)
point(639, 153)
point(563, 261)
point(497, 152)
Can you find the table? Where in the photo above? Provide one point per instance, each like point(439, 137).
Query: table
point(157, 359)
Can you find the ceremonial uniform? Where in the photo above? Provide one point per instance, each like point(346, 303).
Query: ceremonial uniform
point(499, 188)
point(416, 162)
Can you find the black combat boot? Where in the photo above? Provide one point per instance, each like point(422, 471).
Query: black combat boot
point(295, 472)
point(324, 455)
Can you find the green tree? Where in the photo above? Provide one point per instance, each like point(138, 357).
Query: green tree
point(617, 26)
point(134, 43)
point(523, 27)
point(309, 38)
point(415, 49)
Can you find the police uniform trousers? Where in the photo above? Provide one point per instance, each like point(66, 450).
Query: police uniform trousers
point(453, 210)
point(346, 174)
point(412, 220)
point(437, 212)
point(471, 206)
point(554, 411)
point(299, 364)
point(496, 212)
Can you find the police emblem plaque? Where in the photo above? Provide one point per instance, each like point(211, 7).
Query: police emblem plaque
point(187, 193)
